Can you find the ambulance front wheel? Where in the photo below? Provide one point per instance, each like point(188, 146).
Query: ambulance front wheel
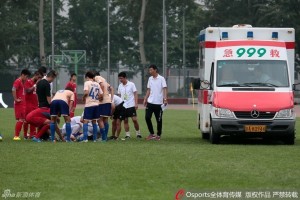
point(289, 139)
point(214, 137)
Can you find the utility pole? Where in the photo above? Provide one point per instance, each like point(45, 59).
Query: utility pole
point(164, 40)
point(52, 42)
point(183, 49)
point(183, 40)
point(108, 42)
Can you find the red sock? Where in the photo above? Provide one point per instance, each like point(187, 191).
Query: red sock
point(32, 130)
point(25, 129)
point(18, 128)
point(42, 131)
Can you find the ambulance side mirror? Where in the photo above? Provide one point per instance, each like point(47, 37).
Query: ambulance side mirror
point(196, 83)
point(200, 84)
point(296, 87)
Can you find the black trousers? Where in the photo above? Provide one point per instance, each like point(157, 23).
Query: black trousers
point(156, 109)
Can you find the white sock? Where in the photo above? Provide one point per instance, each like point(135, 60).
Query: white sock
point(138, 132)
point(127, 134)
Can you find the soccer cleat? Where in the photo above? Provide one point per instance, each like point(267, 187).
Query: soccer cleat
point(138, 136)
point(150, 137)
point(16, 138)
point(84, 141)
point(0, 138)
point(34, 139)
point(157, 138)
point(127, 137)
point(54, 140)
point(111, 138)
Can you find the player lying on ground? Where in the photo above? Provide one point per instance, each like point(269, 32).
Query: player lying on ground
point(77, 129)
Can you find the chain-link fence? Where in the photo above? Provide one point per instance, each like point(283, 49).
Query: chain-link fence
point(178, 79)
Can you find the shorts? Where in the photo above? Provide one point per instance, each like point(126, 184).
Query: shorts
point(127, 112)
point(105, 109)
point(91, 113)
point(38, 117)
point(36, 121)
point(118, 110)
point(59, 107)
point(20, 111)
point(30, 107)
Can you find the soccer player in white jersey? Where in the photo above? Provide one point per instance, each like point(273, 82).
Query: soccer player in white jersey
point(77, 127)
point(129, 95)
point(91, 94)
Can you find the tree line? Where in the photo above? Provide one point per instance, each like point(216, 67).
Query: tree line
point(135, 28)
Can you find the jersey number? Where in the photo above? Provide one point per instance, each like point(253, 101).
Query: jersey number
point(94, 93)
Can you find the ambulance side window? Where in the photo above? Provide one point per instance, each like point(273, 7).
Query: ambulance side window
point(212, 76)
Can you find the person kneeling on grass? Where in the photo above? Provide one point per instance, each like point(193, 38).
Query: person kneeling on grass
point(40, 118)
point(59, 105)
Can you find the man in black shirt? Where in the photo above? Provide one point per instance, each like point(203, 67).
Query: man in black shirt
point(43, 89)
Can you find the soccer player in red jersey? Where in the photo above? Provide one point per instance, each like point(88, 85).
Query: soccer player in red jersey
point(72, 84)
point(31, 100)
point(18, 93)
point(40, 118)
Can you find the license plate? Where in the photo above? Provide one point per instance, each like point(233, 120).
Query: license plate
point(255, 128)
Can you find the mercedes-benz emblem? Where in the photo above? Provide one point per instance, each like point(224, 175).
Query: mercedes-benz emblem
point(254, 114)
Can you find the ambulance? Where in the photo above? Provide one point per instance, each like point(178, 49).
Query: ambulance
point(246, 83)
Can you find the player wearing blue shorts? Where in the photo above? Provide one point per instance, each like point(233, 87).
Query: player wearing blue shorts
point(104, 106)
point(91, 94)
point(61, 104)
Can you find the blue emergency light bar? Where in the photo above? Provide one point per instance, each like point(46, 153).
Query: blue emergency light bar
point(274, 35)
point(250, 34)
point(201, 38)
point(224, 35)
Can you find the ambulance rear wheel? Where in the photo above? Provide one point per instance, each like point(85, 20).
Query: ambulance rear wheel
point(214, 137)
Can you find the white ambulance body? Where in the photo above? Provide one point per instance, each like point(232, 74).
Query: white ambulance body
point(247, 77)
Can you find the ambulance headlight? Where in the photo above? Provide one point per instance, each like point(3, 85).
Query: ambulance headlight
point(286, 113)
point(223, 113)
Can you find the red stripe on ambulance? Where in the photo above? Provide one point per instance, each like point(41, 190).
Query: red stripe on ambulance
point(213, 44)
point(203, 96)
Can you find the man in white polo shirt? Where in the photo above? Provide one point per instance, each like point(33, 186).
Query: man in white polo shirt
point(129, 95)
point(156, 96)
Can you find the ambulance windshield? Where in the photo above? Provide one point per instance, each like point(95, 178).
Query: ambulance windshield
point(252, 73)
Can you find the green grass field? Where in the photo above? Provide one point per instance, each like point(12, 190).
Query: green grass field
point(140, 169)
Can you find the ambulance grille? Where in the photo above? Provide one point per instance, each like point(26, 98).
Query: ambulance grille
point(247, 115)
